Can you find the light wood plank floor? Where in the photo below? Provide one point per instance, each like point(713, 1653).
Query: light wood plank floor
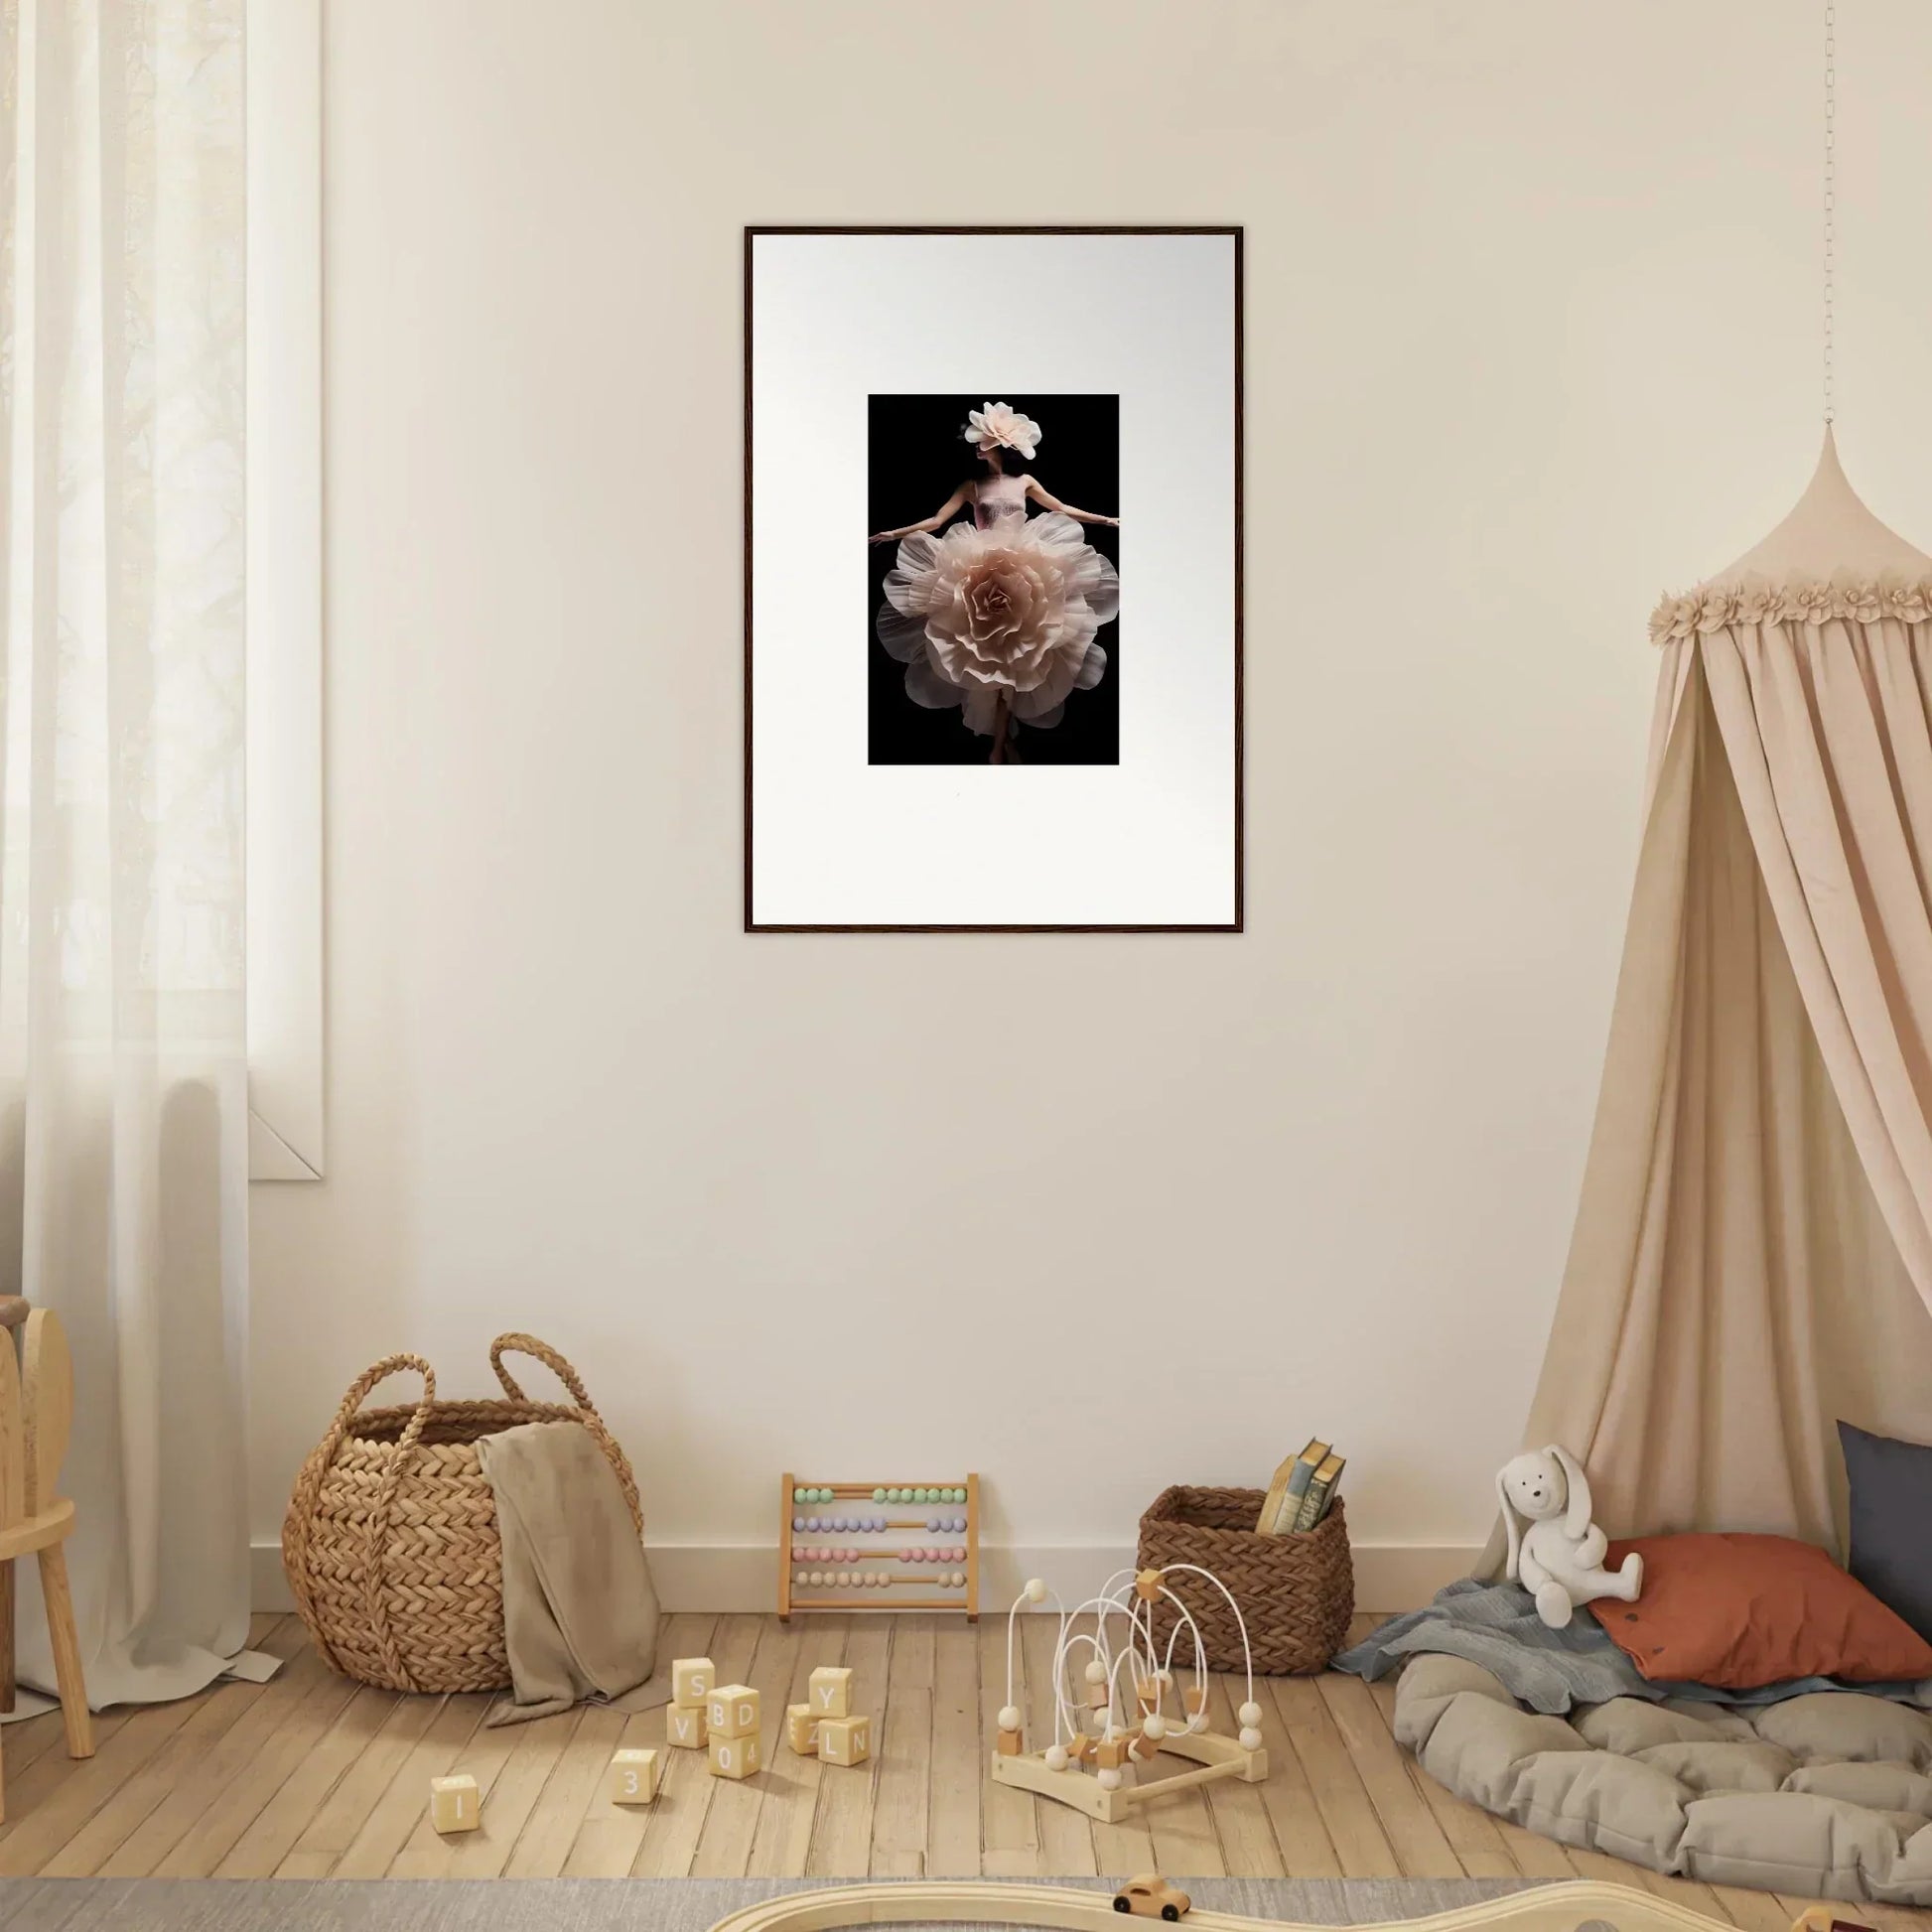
point(311, 1776)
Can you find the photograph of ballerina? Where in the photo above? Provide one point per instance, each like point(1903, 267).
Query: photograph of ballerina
point(993, 616)
point(1047, 575)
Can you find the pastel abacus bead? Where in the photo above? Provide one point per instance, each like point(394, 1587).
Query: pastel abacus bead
point(879, 1495)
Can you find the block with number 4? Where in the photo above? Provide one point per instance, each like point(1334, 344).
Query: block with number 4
point(693, 1679)
point(843, 1740)
point(830, 1687)
point(731, 1710)
point(684, 1729)
point(455, 1804)
point(633, 1779)
point(735, 1758)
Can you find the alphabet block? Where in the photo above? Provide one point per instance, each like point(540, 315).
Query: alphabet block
point(455, 1804)
point(843, 1740)
point(692, 1681)
point(633, 1779)
point(731, 1710)
point(684, 1729)
point(735, 1758)
point(831, 1691)
point(801, 1730)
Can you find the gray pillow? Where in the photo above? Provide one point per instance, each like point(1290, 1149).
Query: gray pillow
point(1891, 1522)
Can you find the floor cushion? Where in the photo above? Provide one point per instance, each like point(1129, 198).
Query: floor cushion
point(1827, 1795)
point(1892, 1521)
point(1741, 1610)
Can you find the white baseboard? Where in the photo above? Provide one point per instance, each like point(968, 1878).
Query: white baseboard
point(720, 1577)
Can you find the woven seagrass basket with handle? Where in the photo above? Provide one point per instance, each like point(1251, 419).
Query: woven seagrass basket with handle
point(1297, 1593)
point(391, 1542)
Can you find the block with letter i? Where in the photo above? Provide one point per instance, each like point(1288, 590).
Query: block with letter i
point(684, 1729)
point(830, 1689)
point(731, 1710)
point(801, 1730)
point(735, 1758)
point(633, 1779)
point(843, 1740)
point(455, 1805)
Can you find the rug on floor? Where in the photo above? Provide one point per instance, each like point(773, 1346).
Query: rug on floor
point(607, 1904)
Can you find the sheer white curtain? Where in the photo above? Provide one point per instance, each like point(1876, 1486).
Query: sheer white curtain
point(123, 1102)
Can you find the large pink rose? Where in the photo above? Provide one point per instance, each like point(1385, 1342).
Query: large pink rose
point(978, 615)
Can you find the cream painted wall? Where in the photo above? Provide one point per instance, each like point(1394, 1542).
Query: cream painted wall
point(1532, 334)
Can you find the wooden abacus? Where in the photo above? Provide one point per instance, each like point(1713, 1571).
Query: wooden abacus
point(936, 1552)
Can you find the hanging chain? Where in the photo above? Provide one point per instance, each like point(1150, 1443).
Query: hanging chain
point(1831, 186)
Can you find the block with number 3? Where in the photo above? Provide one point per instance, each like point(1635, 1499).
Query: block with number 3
point(633, 1779)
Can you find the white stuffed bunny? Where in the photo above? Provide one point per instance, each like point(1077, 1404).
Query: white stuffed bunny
point(1560, 1557)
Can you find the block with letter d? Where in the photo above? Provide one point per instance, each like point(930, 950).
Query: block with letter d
point(731, 1710)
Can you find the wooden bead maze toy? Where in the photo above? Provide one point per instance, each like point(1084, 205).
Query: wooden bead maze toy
point(879, 1546)
point(1094, 1761)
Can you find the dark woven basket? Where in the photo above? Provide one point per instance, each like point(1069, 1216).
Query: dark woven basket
point(1297, 1591)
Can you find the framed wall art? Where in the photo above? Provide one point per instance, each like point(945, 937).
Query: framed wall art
point(993, 580)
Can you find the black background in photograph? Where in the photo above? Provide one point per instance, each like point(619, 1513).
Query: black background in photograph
point(918, 457)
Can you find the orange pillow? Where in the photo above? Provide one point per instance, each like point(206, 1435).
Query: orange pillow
point(1740, 1610)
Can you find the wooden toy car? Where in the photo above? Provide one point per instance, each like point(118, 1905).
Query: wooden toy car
point(1150, 1896)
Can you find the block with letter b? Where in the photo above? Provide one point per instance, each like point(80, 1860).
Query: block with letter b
point(830, 1687)
point(684, 1729)
point(735, 1758)
point(633, 1779)
point(731, 1710)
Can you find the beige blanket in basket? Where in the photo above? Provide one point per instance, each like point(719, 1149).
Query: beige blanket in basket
point(580, 1614)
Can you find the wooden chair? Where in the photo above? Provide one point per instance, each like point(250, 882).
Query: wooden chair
point(35, 1420)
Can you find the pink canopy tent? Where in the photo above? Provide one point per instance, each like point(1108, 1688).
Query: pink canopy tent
point(1753, 1252)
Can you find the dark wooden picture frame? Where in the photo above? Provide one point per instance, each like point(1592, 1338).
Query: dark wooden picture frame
point(1236, 234)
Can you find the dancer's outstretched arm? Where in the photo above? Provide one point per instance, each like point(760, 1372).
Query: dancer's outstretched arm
point(944, 514)
point(1051, 503)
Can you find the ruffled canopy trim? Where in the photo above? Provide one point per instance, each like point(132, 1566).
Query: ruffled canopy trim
point(1699, 613)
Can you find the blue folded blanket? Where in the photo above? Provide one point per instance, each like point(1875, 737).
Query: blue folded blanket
point(1496, 1625)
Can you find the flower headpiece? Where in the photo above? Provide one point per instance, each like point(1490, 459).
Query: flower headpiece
point(996, 424)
